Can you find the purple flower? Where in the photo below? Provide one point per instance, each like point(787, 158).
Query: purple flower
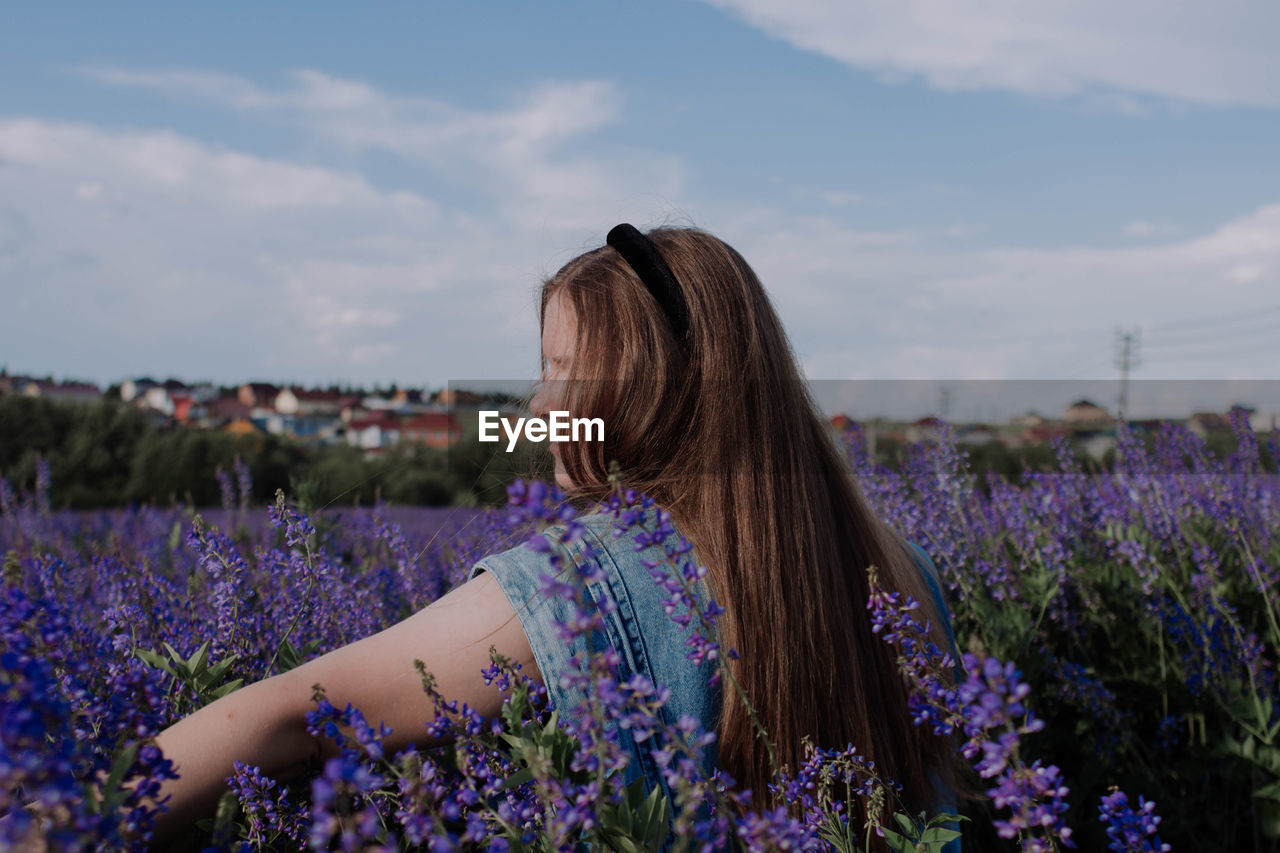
point(1131, 831)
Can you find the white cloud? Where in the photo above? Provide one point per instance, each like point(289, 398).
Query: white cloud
point(157, 252)
point(89, 191)
point(1246, 273)
point(163, 249)
point(905, 305)
point(1215, 52)
point(518, 155)
point(168, 162)
point(841, 198)
point(225, 88)
point(1141, 228)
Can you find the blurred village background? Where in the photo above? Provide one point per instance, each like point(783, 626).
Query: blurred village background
point(162, 441)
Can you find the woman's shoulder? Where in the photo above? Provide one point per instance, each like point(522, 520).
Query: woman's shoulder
point(641, 619)
point(634, 568)
point(600, 535)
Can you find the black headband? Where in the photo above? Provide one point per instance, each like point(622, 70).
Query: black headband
point(638, 251)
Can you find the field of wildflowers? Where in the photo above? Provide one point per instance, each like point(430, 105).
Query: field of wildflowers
point(1119, 637)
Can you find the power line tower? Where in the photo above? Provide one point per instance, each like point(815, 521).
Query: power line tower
point(945, 395)
point(1127, 359)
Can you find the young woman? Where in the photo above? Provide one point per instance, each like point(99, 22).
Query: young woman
point(671, 340)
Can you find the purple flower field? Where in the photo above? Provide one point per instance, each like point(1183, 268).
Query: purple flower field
point(1117, 688)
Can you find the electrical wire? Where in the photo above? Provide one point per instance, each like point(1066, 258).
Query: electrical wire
point(1205, 323)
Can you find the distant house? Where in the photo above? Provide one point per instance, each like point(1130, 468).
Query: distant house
point(1098, 444)
point(1032, 428)
point(925, 429)
point(349, 407)
point(182, 406)
point(258, 395)
point(157, 397)
point(131, 389)
point(226, 409)
point(203, 392)
point(976, 434)
point(1041, 434)
point(240, 426)
point(303, 401)
point(373, 431)
point(432, 429)
point(161, 397)
point(840, 424)
point(305, 428)
point(1145, 426)
point(1030, 419)
point(1083, 414)
point(407, 398)
point(286, 402)
point(68, 392)
point(269, 420)
point(451, 397)
point(76, 392)
point(313, 429)
point(1263, 423)
point(1203, 423)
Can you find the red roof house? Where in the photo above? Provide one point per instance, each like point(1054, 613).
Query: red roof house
point(432, 429)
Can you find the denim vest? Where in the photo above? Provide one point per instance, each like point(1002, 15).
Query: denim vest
point(645, 638)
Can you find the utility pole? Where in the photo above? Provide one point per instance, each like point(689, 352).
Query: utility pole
point(1126, 360)
point(945, 393)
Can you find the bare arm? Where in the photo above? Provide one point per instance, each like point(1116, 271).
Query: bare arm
point(265, 723)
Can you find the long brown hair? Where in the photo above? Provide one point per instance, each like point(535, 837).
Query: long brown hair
point(721, 430)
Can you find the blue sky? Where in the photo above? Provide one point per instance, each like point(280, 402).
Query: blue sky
point(322, 192)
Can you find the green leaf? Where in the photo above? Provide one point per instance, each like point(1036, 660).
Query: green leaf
point(219, 669)
point(224, 819)
point(112, 795)
point(199, 658)
point(654, 817)
point(945, 817)
point(623, 844)
point(622, 815)
point(900, 843)
point(154, 659)
point(639, 822)
point(516, 740)
point(938, 835)
point(173, 653)
point(229, 687)
point(287, 656)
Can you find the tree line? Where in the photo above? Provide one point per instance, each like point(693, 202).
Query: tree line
point(108, 454)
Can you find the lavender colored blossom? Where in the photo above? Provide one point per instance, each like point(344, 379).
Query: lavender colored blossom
point(1131, 830)
point(244, 483)
point(226, 491)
